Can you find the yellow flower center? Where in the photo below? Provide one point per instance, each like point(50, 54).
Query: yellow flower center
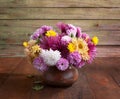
point(80, 46)
point(51, 33)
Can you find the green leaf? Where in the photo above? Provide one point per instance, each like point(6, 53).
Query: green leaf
point(37, 87)
point(30, 76)
point(37, 82)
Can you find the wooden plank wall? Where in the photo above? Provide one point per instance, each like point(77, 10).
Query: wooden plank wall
point(20, 18)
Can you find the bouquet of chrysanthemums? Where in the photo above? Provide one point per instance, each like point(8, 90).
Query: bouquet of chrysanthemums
point(70, 47)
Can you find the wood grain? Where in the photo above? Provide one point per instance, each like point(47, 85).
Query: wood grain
point(59, 13)
point(18, 51)
point(99, 78)
point(7, 69)
point(86, 25)
point(18, 36)
point(59, 3)
point(95, 81)
point(20, 18)
point(17, 31)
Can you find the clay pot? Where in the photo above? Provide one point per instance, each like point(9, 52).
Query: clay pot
point(57, 78)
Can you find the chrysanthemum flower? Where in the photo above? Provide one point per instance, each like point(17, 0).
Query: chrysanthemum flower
point(91, 52)
point(71, 47)
point(40, 32)
point(39, 64)
point(95, 40)
point(82, 47)
point(50, 57)
point(66, 39)
point(62, 64)
point(74, 58)
point(35, 49)
point(79, 32)
point(31, 42)
point(25, 44)
point(82, 63)
point(51, 33)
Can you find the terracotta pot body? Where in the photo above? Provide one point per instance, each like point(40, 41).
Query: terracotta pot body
point(57, 78)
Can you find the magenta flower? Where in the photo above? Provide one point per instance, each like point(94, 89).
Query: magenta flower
point(67, 29)
point(62, 27)
point(79, 32)
point(74, 58)
point(40, 32)
point(91, 52)
point(39, 64)
point(71, 30)
point(81, 64)
point(50, 42)
point(85, 36)
point(62, 64)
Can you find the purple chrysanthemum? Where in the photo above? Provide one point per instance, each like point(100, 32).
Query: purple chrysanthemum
point(50, 42)
point(71, 30)
point(40, 32)
point(81, 64)
point(79, 32)
point(68, 29)
point(91, 52)
point(74, 58)
point(62, 64)
point(62, 27)
point(85, 36)
point(39, 64)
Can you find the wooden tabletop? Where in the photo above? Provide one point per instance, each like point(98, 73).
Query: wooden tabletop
point(99, 80)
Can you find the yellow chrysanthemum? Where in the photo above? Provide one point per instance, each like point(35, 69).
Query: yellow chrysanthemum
point(25, 44)
point(81, 47)
point(95, 40)
point(51, 33)
point(71, 47)
point(31, 42)
point(35, 49)
point(85, 56)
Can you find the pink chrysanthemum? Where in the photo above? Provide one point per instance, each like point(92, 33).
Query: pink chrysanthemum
point(39, 64)
point(91, 52)
point(74, 58)
point(40, 32)
point(62, 64)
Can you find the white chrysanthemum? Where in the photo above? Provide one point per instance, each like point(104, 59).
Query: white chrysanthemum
point(50, 57)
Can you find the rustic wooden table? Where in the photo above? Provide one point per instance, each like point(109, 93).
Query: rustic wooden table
point(99, 80)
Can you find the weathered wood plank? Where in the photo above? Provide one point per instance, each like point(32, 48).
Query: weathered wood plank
point(18, 35)
point(100, 81)
point(86, 25)
point(59, 3)
point(10, 65)
point(16, 87)
point(26, 68)
point(94, 82)
point(59, 13)
point(17, 51)
point(17, 31)
point(7, 66)
point(115, 74)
